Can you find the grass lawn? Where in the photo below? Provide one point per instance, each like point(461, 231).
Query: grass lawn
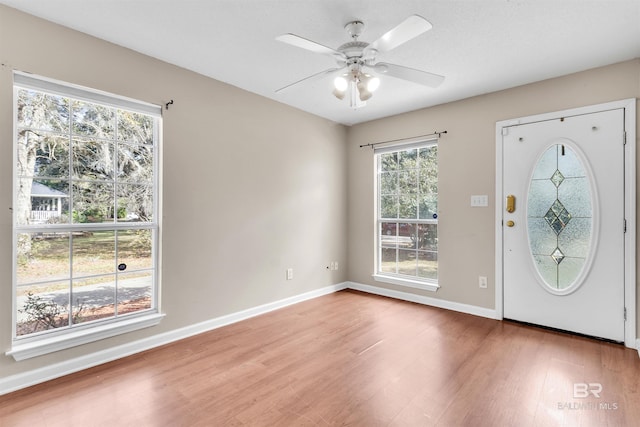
point(425, 269)
point(89, 258)
point(92, 254)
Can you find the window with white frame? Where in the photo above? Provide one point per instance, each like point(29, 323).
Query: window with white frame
point(407, 214)
point(85, 213)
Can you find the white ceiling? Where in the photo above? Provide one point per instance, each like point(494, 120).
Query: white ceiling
point(480, 46)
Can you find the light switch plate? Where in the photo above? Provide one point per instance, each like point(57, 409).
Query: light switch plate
point(480, 201)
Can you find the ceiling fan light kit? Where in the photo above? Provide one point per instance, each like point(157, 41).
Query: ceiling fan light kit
point(359, 85)
point(356, 69)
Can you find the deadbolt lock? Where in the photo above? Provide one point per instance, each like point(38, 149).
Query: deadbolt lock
point(510, 223)
point(511, 203)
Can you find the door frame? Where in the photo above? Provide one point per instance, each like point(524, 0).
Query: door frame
point(629, 106)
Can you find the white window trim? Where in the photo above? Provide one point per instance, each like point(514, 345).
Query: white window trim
point(411, 283)
point(42, 346)
point(28, 347)
point(396, 279)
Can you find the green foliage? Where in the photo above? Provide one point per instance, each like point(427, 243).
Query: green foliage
point(87, 216)
point(94, 214)
point(122, 212)
point(408, 182)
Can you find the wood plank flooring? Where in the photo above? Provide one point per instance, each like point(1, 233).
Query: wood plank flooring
point(349, 359)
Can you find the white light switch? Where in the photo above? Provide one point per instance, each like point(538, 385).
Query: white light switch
point(480, 201)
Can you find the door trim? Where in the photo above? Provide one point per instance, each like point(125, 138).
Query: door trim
point(629, 106)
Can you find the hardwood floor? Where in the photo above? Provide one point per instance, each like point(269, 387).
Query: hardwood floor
point(349, 359)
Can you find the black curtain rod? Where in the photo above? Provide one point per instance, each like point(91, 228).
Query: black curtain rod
point(404, 139)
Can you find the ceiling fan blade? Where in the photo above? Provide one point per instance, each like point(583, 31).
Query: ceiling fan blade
point(408, 29)
point(303, 43)
point(411, 74)
point(313, 77)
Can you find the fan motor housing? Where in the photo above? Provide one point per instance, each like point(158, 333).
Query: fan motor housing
point(353, 49)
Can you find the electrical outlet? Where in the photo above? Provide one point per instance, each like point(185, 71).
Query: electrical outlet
point(289, 273)
point(482, 282)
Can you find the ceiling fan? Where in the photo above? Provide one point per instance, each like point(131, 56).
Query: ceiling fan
point(357, 70)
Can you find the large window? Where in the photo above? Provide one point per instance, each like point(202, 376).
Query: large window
point(85, 211)
point(407, 215)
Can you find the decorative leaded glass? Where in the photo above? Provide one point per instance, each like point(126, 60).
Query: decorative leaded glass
point(559, 216)
point(557, 256)
point(557, 178)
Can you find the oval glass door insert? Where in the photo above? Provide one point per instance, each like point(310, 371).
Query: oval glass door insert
point(560, 219)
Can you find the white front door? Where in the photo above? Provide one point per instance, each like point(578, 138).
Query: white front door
point(564, 223)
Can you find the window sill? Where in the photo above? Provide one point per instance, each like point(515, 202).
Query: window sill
point(406, 282)
point(21, 351)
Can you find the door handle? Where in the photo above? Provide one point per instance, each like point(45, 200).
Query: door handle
point(511, 203)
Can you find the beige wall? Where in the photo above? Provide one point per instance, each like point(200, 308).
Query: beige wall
point(251, 186)
point(466, 167)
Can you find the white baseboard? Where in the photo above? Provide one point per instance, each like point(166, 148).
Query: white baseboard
point(420, 299)
point(46, 373)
